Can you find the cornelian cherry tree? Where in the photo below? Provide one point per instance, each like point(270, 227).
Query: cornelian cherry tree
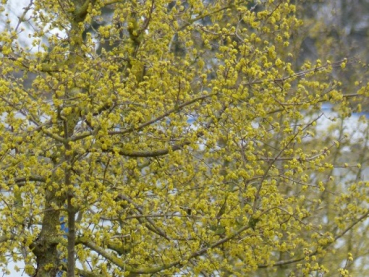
point(164, 137)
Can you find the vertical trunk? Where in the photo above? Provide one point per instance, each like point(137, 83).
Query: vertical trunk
point(71, 239)
point(69, 125)
point(45, 247)
point(71, 225)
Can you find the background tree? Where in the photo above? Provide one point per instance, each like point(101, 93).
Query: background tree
point(170, 137)
point(336, 29)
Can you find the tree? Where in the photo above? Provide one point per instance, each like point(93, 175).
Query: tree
point(174, 138)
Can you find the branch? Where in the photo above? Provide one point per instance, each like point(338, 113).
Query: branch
point(285, 262)
point(299, 74)
point(85, 134)
point(88, 243)
point(201, 16)
point(117, 247)
point(54, 136)
point(275, 159)
point(85, 273)
point(218, 243)
point(6, 238)
point(22, 17)
point(307, 159)
point(82, 272)
point(34, 178)
point(44, 67)
point(120, 262)
point(110, 2)
point(153, 226)
point(175, 109)
point(80, 14)
point(148, 153)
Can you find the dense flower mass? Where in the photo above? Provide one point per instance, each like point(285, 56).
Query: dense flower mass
point(167, 137)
